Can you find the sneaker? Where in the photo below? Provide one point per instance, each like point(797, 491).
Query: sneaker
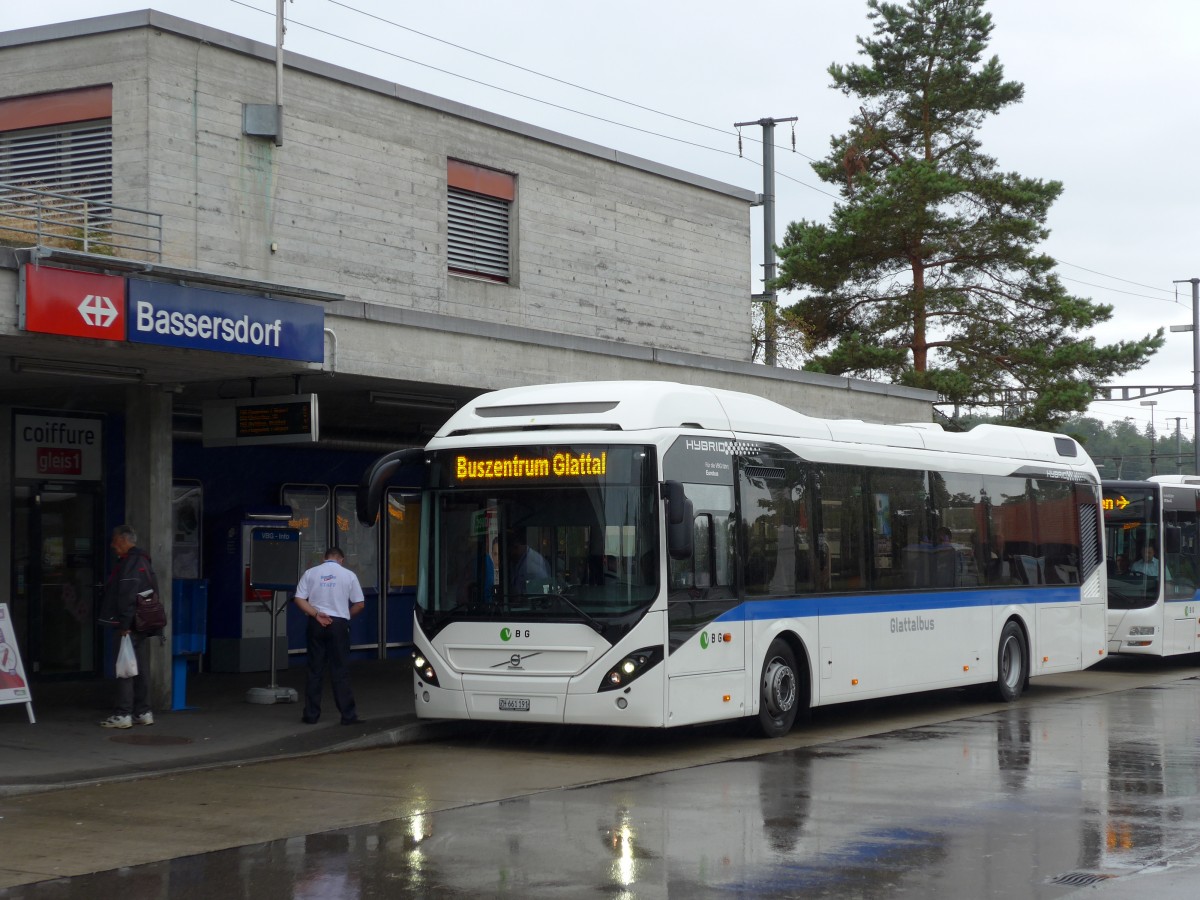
point(146, 718)
point(117, 722)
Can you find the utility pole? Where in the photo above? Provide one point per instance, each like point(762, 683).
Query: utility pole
point(1178, 445)
point(1194, 328)
point(768, 296)
point(1153, 436)
point(280, 29)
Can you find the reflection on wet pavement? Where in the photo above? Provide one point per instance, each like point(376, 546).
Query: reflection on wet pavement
point(1025, 802)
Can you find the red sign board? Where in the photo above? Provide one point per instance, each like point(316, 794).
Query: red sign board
point(77, 304)
point(59, 461)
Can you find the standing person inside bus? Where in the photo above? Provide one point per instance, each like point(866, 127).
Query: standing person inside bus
point(1148, 564)
point(330, 595)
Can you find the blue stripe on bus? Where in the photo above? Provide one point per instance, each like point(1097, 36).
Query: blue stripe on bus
point(855, 604)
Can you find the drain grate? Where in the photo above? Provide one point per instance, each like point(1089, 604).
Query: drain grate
point(150, 740)
point(1078, 879)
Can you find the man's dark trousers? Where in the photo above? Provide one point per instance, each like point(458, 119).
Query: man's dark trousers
point(329, 646)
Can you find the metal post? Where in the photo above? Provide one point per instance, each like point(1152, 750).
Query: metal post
point(1153, 436)
point(279, 30)
point(1196, 374)
point(769, 323)
point(768, 296)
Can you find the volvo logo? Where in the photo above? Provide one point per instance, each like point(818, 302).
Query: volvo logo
point(514, 661)
point(97, 311)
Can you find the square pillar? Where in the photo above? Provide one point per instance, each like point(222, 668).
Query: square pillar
point(149, 473)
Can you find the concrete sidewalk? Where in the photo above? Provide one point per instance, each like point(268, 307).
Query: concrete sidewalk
point(67, 747)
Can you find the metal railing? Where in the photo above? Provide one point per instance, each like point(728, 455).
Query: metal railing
point(48, 219)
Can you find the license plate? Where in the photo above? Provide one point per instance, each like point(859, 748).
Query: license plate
point(514, 704)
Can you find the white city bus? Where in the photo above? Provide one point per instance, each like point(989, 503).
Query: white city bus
point(655, 554)
point(1152, 557)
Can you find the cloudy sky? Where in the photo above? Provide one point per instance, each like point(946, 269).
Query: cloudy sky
point(1111, 109)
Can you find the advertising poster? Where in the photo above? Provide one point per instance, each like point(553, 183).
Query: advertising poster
point(14, 686)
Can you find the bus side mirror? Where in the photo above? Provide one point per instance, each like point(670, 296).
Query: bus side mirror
point(679, 520)
point(375, 479)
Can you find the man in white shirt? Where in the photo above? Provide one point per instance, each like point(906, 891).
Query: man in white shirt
point(330, 595)
point(1148, 564)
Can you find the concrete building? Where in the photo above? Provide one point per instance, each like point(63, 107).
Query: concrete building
point(176, 259)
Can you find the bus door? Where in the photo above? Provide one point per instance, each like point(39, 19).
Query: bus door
point(1179, 570)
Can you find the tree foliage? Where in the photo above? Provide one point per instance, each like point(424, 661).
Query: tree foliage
point(927, 273)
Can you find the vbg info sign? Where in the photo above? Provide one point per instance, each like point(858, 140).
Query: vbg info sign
point(200, 319)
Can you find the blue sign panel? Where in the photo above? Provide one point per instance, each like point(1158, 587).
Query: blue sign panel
point(201, 319)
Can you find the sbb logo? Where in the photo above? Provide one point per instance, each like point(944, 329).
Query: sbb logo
point(97, 311)
point(76, 304)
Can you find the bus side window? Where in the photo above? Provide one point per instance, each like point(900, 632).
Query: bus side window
point(1179, 552)
point(702, 554)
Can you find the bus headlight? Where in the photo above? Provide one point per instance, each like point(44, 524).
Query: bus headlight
point(1141, 630)
point(630, 668)
point(424, 669)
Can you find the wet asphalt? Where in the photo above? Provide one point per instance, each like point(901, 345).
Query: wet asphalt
point(1095, 796)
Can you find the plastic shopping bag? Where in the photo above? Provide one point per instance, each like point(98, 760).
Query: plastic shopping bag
point(126, 660)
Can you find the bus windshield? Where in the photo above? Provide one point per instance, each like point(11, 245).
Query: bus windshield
point(549, 533)
point(1132, 545)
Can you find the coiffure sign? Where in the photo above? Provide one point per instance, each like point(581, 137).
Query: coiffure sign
point(58, 448)
point(106, 307)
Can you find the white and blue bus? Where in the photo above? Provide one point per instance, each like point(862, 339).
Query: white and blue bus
point(1152, 559)
point(656, 554)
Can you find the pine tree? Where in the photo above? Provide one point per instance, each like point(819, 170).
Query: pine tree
point(928, 272)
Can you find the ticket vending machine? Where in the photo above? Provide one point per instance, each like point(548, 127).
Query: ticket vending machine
point(241, 616)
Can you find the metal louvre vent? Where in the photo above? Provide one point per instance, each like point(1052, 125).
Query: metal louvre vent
point(1089, 540)
point(71, 159)
point(774, 474)
point(478, 234)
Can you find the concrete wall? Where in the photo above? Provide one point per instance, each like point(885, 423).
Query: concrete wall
point(624, 268)
point(355, 202)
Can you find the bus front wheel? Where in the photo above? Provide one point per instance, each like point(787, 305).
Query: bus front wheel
point(1012, 663)
point(779, 691)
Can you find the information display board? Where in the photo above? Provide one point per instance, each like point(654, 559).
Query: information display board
point(274, 558)
point(261, 420)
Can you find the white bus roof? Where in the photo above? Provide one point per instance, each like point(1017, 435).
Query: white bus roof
point(643, 405)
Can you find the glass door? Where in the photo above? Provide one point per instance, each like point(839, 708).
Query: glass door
point(58, 544)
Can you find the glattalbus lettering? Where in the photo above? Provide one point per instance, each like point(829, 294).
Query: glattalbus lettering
point(911, 623)
point(210, 328)
point(560, 465)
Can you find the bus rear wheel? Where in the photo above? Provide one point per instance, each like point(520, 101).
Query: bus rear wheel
point(779, 691)
point(1012, 663)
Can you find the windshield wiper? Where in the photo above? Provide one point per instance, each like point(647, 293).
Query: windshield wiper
point(599, 626)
